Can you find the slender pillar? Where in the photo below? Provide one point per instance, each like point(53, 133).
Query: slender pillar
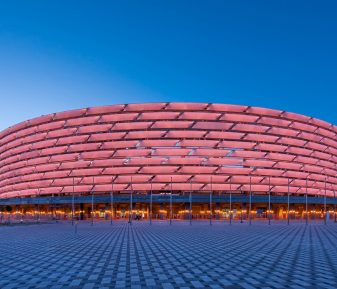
point(241, 217)
point(210, 203)
point(230, 201)
point(288, 210)
point(73, 204)
point(269, 207)
point(151, 204)
point(334, 196)
point(92, 201)
point(325, 212)
point(250, 200)
point(130, 205)
point(219, 205)
point(16, 207)
point(38, 208)
point(171, 203)
point(21, 219)
point(190, 210)
point(111, 201)
point(306, 201)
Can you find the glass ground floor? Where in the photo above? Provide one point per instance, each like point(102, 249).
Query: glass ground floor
point(166, 211)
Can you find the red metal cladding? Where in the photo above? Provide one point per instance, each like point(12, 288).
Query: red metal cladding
point(201, 146)
point(199, 116)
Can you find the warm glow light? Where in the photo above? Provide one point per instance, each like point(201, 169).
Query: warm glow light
point(183, 211)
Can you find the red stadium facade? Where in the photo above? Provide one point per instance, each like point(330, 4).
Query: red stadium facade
point(171, 149)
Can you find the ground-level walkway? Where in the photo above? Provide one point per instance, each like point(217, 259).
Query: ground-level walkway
point(169, 256)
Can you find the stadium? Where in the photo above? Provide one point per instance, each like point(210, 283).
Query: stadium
point(169, 161)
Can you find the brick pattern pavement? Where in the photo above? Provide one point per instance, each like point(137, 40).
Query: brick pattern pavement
point(164, 256)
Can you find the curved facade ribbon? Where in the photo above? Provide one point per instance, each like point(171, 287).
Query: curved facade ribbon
point(202, 146)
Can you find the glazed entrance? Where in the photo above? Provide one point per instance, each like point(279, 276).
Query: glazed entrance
point(137, 211)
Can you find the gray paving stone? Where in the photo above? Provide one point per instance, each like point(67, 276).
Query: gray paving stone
point(163, 256)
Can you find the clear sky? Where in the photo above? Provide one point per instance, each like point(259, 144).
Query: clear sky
point(59, 55)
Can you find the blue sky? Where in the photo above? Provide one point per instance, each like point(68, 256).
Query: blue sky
point(59, 55)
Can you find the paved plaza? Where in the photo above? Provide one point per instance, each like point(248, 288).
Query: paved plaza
point(164, 256)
